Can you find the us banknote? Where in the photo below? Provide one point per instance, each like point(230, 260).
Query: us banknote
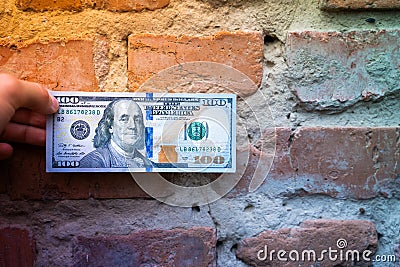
point(142, 132)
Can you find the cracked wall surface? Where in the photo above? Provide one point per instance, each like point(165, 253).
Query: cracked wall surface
point(325, 102)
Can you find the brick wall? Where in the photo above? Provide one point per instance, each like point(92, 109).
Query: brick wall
point(330, 81)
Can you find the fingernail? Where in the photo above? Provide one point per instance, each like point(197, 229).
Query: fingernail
point(54, 103)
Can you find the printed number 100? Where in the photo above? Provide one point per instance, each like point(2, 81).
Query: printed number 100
point(208, 160)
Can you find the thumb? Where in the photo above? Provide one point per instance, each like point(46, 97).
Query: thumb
point(35, 97)
point(15, 94)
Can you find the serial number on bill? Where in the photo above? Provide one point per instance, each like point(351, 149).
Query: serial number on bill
point(200, 149)
point(79, 112)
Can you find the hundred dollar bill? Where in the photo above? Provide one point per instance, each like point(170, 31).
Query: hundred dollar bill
point(142, 132)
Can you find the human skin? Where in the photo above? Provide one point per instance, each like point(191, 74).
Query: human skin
point(23, 106)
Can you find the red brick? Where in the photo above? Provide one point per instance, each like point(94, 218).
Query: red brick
point(358, 163)
point(315, 235)
point(149, 54)
point(60, 66)
point(332, 70)
point(359, 4)
point(77, 5)
point(27, 178)
point(17, 247)
point(193, 247)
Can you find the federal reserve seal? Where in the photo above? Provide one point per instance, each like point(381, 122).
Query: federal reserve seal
point(80, 130)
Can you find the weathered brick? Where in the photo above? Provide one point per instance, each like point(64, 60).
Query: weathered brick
point(17, 247)
point(332, 70)
point(192, 247)
point(358, 163)
point(42, 5)
point(358, 4)
point(76, 5)
point(129, 5)
point(339, 237)
point(149, 54)
point(60, 66)
point(27, 179)
point(2, 6)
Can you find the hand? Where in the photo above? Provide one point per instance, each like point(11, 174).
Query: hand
point(23, 106)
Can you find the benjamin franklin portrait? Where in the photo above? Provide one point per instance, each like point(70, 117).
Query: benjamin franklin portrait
point(119, 137)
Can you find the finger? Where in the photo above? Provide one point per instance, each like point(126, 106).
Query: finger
point(15, 132)
point(37, 98)
point(23, 94)
point(5, 151)
point(28, 117)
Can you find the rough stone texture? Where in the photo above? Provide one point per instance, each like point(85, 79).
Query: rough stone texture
point(340, 162)
point(60, 66)
point(191, 17)
point(26, 178)
point(129, 5)
point(358, 4)
point(40, 5)
point(55, 224)
point(17, 247)
point(242, 217)
point(76, 5)
point(332, 70)
point(240, 50)
point(397, 250)
point(193, 247)
point(101, 61)
point(285, 112)
point(2, 5)
point(316, 235)
point(200, 77)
